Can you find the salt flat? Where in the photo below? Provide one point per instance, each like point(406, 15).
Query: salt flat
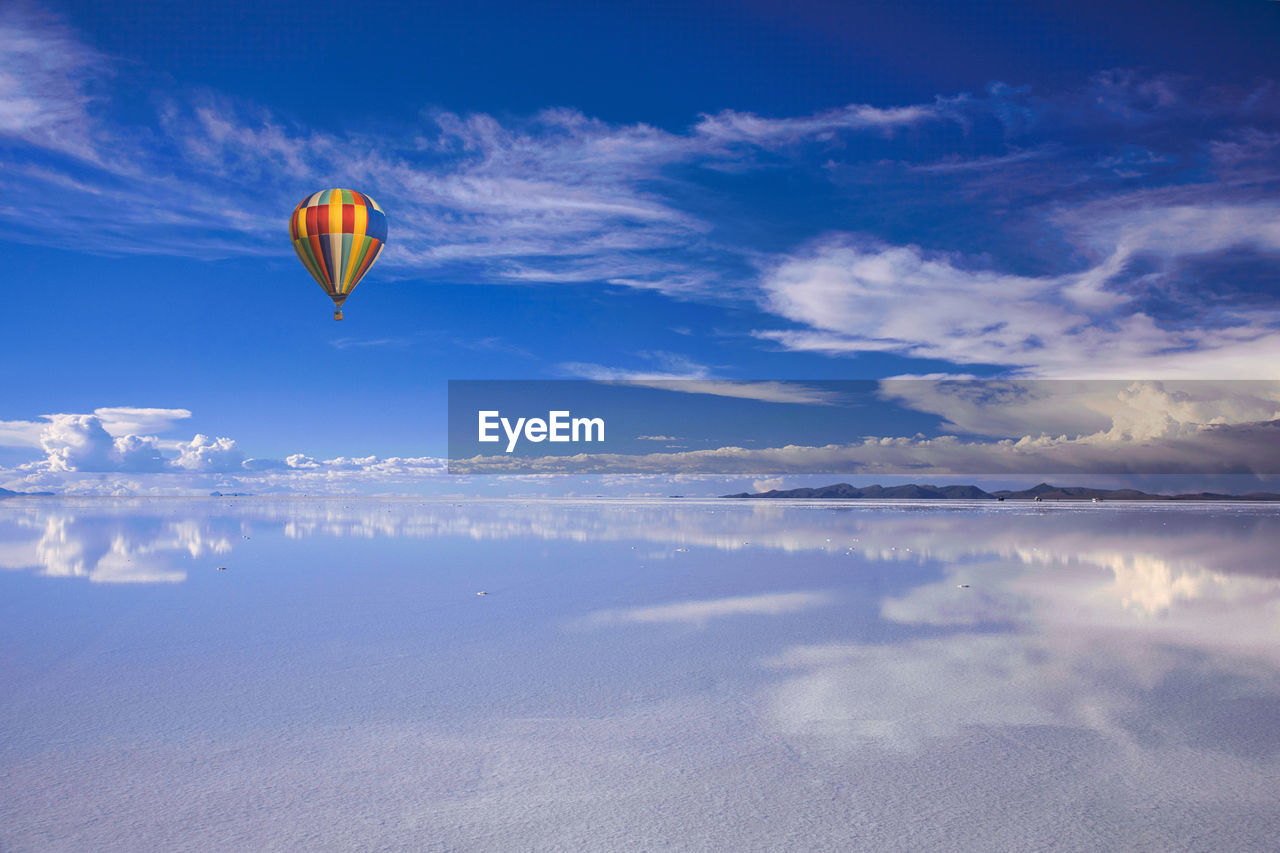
point(686, 675)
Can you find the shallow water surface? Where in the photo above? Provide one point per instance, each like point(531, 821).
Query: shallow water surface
point(232, 674)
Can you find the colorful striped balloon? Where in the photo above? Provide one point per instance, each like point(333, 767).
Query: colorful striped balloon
point(338, 234)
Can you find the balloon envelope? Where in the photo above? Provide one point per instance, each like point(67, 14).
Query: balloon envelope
point(338, 234)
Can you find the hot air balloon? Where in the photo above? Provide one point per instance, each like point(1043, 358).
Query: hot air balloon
point(338, 234)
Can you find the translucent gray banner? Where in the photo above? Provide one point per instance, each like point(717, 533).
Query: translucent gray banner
point(925, 427)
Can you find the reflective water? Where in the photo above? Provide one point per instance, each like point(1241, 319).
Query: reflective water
point(639, 675)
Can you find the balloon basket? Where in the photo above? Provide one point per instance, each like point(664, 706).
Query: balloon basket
point(337, 315)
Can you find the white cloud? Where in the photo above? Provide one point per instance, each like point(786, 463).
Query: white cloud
point(1005, 408)
point(44, 71)
point(351, 343)
point(82, 455)
point(207, 454)
point(857, 296)
point(730, 127)
point(887, 298)
point(556, 196)
point(1181, 449)
point(562, 197)
point(1169, 223)
point(74, 442)
point(140, 453)
point(126, 420)
point(116, 421)
point(767, 392)
point(1106, 409)
point(77, 443)
point(678, 373)
point(20, 433)
point(1191, 428)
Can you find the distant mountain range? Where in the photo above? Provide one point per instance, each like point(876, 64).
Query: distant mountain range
point(8, 493)
point(1044, 491)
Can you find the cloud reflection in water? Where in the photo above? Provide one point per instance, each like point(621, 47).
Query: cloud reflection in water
point(906, 676)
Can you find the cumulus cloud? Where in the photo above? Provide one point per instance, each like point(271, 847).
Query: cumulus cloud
point(78, 443)
point(116, 421)
point(207, 454)
point(139, 453)
point(211, 465)
point(1105, 409)
point(102, 443)
point(83, 443)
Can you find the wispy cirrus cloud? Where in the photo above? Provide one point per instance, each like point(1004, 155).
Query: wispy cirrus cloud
point(674, 372)
point(1145, 232)
point(556, 196)
point(1084, 232)
point(365, 343)
point(730, 127)
point(44, 74)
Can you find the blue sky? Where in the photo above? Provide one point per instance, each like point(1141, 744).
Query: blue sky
point(759, 191)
